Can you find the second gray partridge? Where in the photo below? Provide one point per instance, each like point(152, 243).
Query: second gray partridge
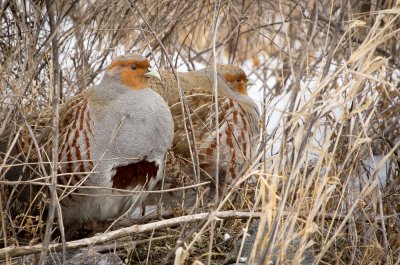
point(238, 118)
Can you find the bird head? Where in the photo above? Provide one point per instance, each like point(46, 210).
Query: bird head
point(133, 70)
point(235, 78)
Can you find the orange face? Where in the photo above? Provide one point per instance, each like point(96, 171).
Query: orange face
point(238, 82)
point(132, 73)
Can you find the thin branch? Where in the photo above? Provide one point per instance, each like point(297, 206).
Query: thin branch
point(126, 231)
point(56, 94)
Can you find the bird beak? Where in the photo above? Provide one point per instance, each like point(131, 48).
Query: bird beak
point(250, 82)
point(153, 73)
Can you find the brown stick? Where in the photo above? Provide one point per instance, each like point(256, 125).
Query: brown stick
point(134, 229)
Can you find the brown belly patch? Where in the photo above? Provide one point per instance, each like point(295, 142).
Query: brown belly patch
point(132, 175)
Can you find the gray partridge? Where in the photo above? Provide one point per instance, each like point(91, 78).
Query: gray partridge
point(238, 118)
point(113, 135)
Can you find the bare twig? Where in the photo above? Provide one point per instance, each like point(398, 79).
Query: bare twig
point(56, 89)
point(135, 229)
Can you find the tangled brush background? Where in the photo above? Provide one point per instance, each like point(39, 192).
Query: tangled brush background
point(326, 180)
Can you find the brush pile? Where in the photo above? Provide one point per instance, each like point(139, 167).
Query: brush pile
point(326, 182)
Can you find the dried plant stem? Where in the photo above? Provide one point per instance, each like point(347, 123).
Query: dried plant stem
point(54, 168)
point(215, 91)
point(3, 226)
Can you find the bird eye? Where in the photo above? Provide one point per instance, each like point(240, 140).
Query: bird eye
point(238, 80)
point(134, 67)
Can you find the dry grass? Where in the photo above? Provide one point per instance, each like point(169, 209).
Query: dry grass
point(327, 175)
